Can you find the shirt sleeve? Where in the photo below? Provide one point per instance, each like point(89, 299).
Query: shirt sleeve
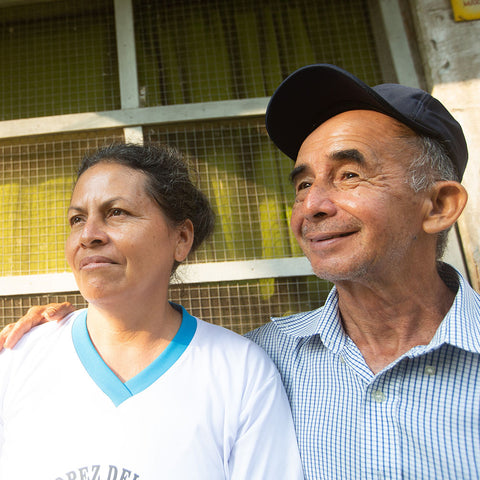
point(266, 446)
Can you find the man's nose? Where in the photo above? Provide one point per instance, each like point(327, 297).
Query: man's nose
point(319, 202)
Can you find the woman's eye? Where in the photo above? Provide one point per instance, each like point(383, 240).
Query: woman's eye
point(74, 220)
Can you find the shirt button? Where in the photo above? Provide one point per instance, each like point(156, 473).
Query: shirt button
point(430, 370)
point(378, 396)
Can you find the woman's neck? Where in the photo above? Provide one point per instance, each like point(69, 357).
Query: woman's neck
point(129, 342)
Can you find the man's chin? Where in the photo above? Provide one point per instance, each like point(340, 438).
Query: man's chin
point(341, 272)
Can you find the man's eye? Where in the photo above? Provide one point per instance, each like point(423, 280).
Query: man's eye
point(349, 175)
point(303, 186)
point(115, 212)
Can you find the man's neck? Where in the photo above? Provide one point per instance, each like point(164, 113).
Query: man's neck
point(387, 320)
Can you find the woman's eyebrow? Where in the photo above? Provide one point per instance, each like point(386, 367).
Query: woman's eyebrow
point(74, 208)
point(105, 204)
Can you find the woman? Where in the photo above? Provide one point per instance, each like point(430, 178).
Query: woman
point(134, 387)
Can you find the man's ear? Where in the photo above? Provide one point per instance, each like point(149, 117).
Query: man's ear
point(447, 200)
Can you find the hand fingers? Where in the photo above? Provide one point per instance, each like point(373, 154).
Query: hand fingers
point(32, 318)
point(36, 315)
point(4, 334)
point(57, 311)
point(20, 328)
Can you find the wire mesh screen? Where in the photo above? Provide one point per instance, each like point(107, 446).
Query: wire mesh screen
point(221, 50)
point(36, 178)
point(246, 179)
point(240, 306)
point(57, 58)
point(60, 57)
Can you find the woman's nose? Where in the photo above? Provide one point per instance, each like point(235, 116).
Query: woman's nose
point(93, 233)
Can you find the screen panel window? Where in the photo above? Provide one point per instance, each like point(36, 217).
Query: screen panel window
point(61, 57)
point(57, 58)
point(222, 50)
point(247, 182)
point(36, 180)
point(240, 306)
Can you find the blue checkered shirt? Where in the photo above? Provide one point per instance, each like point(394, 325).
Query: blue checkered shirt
point(419, 418)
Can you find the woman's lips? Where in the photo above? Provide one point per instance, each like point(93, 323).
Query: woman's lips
point(95, 261)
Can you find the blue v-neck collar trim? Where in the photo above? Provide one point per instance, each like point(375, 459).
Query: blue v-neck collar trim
point(107, 381)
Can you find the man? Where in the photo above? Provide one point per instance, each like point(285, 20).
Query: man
point(382, 379)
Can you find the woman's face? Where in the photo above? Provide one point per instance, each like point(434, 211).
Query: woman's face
point(121, 247)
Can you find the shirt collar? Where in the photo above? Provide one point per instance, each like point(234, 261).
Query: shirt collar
point(324, 321)
point(460, 327)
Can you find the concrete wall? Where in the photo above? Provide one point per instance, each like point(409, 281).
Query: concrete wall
point(451, 58)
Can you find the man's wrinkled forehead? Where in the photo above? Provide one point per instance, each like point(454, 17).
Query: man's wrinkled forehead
point(350, 136)
point(315, 93)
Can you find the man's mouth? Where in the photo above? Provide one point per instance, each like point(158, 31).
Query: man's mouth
point(323, 237)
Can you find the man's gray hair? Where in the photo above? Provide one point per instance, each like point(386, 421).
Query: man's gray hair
point(431, 164)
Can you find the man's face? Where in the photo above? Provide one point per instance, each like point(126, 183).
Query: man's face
point(354, 215)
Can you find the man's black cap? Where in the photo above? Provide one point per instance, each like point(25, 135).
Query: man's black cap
point(315, 93)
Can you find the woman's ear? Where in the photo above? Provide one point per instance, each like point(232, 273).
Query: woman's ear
point(185, 235)
point(447, 201)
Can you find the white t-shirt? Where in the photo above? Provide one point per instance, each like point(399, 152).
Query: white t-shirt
point(210, 407)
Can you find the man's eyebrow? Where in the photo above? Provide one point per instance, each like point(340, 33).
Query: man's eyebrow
point(295, 172)
point(350, 154)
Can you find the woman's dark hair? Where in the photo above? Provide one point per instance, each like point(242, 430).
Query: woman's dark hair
point(169, 182)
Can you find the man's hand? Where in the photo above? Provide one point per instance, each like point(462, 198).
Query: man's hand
point(37, 315)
